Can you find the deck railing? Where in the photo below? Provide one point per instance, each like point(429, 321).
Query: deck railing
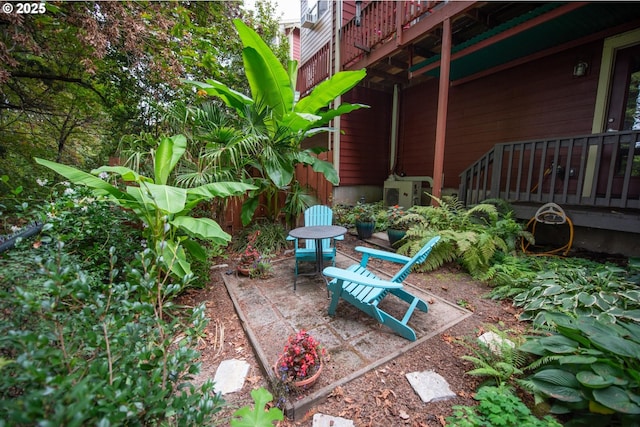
point(315, 70)
point(601, 170)
point(380, 22)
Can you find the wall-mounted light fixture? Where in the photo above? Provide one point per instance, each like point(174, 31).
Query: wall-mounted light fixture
point(358, 12)
point(580, 69)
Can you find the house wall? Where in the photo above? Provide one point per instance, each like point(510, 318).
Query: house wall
point(535, 100)
point(364, 142)
point(293, 34)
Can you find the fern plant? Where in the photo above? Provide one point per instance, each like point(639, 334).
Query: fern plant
point(499, 360)
point(471, 237)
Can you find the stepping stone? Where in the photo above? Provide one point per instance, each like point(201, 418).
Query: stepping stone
point(322, 420)
point(430, 386)
point(495, 342)
point(230, 376)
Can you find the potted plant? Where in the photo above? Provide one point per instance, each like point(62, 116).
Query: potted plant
point(261, 269)
point(249, 260)
point(398, 222)
point(301, 361)
point(364, 219)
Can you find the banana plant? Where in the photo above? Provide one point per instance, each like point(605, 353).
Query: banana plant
point(285, 120)
point(162, 208)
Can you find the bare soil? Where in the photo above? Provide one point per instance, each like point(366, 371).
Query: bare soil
point(382, 397)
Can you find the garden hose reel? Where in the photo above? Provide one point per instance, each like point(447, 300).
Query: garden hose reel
point(550, 214)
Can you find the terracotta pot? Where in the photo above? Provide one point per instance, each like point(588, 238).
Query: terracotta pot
point(307, 382)
point(244, 270)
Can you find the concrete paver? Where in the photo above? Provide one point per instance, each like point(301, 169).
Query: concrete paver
point(230, 376)
point(430, 386)
point(322, 420)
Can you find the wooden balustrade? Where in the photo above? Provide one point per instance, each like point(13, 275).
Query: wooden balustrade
point(601, 170)
point(315, 70)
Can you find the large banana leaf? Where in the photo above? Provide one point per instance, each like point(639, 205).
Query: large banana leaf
point(168, 154)
point(221, 189)
point(268, 87)
point(328, 90)
point(204, 228)
point(249, 208)
point(299, 121)
point(230, 97)
point(169, 200)
point(343, 108)
point(83, 178)
point(279, 169)
point(268, 79)
point(125, 173)
point(292, 70)
point(175, 258)
point(319, 165)
point(194, 249)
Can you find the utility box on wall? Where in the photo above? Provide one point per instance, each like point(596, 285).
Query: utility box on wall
point(403, 193)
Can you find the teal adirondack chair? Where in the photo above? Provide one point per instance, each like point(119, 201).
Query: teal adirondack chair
point(315, 215)
point(363, 289)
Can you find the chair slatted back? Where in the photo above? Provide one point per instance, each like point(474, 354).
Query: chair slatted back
point(318, 215)
point(418, 258)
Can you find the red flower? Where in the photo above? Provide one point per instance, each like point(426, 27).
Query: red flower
point(300, 357)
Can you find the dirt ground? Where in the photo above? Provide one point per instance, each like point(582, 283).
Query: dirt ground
point(382, 397)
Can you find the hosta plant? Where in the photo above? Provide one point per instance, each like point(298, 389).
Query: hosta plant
point(588, 289)
point(587, 367)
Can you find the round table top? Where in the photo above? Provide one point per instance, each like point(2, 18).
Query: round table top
point(318, 232)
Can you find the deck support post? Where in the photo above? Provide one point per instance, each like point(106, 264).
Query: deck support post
point(443, 103)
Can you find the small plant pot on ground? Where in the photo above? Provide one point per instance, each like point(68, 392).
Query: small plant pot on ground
point(395, 236)
point(365, 229)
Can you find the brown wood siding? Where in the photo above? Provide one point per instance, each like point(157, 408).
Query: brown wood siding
point(539, 99)
point(364, 144)
point(418, 107)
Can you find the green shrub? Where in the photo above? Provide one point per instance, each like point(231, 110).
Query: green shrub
point(498, 407)
point(97, 351)
point(89, 225)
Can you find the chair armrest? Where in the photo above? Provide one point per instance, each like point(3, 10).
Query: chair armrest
point(349, 276)
point(377, 253)
point(291, 238)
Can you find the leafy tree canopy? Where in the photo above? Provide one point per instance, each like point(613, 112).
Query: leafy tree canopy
point(76, 78)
